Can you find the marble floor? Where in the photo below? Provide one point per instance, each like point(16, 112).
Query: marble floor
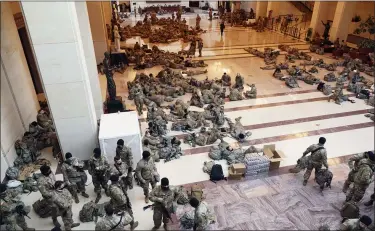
point(292, 119)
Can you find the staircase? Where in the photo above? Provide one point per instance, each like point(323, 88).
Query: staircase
point(305, 7)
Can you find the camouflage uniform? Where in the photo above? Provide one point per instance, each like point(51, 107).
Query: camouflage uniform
point(126, 155)
point(120, 201)
point(237, 128)
point(24, 155)
point(352, 225)
point(109, 222)
point(46, 186)
point(318, 158)
point(323, 177)
point(203, 217)
point(44, 121)
point(8, 215)
point(362, 179)
point(145, 173)
point(200, 47)
point(98, 170)
point(122, 171)
point(163, 203)
point(252, 94)
point(235, 95)
point(353, 165)
point(239, 81)
point(63, 200)
point(74, 176)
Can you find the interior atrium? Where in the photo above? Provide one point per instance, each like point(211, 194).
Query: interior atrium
point(187, 115)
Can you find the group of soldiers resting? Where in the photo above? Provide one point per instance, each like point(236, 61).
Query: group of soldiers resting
point(59, 195)
point(41, 134)
point(362, 167)
point(147, 58)
point(362, 87)
point(168, 30)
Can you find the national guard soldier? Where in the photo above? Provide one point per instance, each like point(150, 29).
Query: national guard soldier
point(120, 200)
point(98, 168)
point(46, 186)
point(362, 179)
point(318, 158)
point(203, 216)
point(111, 221)
point(74, 176)
point(12, 211)
point(353, 165)
point(163, 197)
point(63, 200)
point(145, 172)
point(126, 155)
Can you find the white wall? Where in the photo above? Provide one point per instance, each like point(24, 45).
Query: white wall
point(19, 104)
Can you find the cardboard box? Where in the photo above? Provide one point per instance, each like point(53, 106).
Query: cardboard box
point(275, 156)
point(234, 176)
point(239, 168)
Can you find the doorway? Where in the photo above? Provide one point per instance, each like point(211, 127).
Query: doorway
point(194, 4)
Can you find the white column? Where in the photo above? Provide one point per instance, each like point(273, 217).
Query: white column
point(343, 16)
point(16, 70)
point(98, 29)
point(261, 9)
point(88, 48)
point(56, 37)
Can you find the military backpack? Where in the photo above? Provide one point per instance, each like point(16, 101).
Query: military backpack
point(197, 192)
point(349, 210)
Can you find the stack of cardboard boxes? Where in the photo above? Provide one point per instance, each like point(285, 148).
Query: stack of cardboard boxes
point(236, 171)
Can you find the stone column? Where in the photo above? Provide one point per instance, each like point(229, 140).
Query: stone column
point(56, 37)
point(88, 48)
point(15, 68)
point(343, 16)
point(98, 29)
point(261, 9)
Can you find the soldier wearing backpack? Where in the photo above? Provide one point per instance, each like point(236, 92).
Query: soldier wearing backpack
point(353, 165)
point(362, 180)
point(318, 158)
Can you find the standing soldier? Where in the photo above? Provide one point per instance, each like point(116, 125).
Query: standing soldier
point(74, 176)
point(173, 17)
point(98, 167)
point(210, 14)
point(362, 179)
point(222, 27)
point(197, 22)
point(126, 155)
point(145, 172)
point(163, 197)
point(46, 186)
point(318, 158)
point(178, 14)
point(120, 200)
point(203, 216)
point(200, 47)
point(192, 48)
point(120, 169)
point(12, 211)
point(63, 199)
point(353, 165)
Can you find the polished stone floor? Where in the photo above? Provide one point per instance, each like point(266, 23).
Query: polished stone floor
point(292, 119)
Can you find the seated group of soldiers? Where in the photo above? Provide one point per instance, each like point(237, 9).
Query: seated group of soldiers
point(168, 30)
point(41, 134)
point(147, 58)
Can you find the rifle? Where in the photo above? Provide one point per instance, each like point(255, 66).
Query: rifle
point(126, 195)
point(21, 211)
point(165, 210)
